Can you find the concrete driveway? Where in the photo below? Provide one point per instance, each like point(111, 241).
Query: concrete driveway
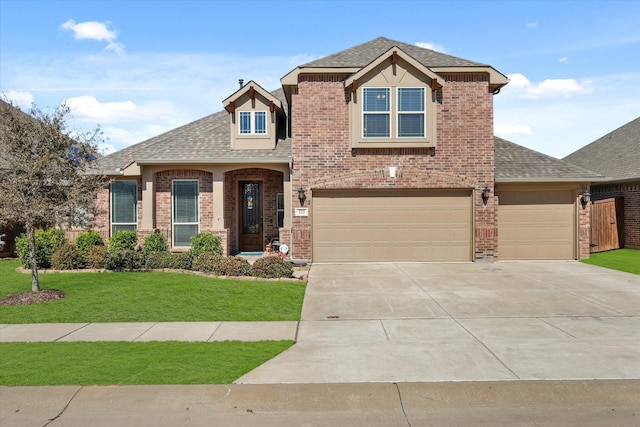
point(403, 322)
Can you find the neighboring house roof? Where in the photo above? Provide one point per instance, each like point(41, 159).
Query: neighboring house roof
point(206, 140)
point(616, 155)
point(515, 163)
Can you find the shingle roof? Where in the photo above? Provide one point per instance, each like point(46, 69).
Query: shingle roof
point(616, 155)
point(206, 140)
point(515, 163)
point(361, 55)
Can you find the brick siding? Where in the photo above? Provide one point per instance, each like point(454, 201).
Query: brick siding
point(462, 159)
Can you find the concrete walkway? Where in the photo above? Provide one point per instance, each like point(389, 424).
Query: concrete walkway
point(150, 331)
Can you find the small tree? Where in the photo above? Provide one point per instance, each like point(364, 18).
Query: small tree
point(47, 177)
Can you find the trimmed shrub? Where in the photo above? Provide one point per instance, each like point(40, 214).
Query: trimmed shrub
point(272, 267)
point(124, 260)
point(205, 262)
point(156, 242)
point(123, 240)
point(86, 240)
point(205, 242)
point(47, 242)
point(232, 266)
point(68, 257)
point(181, 260)
point(96, 257)
point(157, 260)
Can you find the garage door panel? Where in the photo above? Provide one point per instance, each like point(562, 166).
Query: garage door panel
point(391, 226)
point(536, 225)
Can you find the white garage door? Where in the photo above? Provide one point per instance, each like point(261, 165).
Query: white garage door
point(395, 225)
point(536, 225)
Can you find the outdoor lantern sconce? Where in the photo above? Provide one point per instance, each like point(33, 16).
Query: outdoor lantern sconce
point(585, 199)
point(485, 195)
point(301, 196)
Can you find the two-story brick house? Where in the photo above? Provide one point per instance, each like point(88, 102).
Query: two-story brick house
point(382, 152)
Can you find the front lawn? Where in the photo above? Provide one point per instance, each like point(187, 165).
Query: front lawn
point(125, 363)
point(150, 297)
point(621, 259)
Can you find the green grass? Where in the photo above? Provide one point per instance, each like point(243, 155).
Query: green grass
point(150, 297)
point(622, 259)
point(124, 363)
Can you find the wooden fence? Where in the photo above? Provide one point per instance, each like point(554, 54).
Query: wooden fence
point(607, 224)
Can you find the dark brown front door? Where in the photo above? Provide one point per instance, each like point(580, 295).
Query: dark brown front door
point(251, 217)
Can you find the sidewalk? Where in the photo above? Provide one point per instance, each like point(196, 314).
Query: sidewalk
point(150, 331)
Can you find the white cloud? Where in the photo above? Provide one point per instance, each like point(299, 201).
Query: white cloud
point(92, 30)
point(89, 108)
point(433, 46)
point(532, 24)
point(564, 59)
point(23, 100)
point(508, 131)
point(521, 87)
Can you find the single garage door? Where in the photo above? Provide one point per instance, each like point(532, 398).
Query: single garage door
point(395, 225)
point(536, 225)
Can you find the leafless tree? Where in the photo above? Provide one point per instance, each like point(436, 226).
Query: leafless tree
point(47, 173)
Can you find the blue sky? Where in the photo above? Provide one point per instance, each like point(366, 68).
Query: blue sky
point(140, 68)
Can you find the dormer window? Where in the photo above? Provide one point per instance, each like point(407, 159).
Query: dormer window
point(253, 123)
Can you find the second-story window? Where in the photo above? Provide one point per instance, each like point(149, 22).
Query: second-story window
point(253, 122)
point(411, 112)
point(404, 116)
point(376, 112)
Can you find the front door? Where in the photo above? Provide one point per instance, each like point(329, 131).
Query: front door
point(251, 217)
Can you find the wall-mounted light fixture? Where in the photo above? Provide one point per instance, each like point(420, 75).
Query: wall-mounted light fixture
point(301, 196)
point(485, 195)
point(585, 198)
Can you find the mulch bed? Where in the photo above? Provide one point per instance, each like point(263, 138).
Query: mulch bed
point(30, 297)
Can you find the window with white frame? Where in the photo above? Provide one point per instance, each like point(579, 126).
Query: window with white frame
point(280, 209)
point(185, 211)
point(403, 117)
point(411, 115)
point(124, 206)
point(376, 112)
point(253, 122)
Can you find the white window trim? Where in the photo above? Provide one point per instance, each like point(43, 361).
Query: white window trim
point(112, 223)
point(252, 119)
point(388, 113)
point(398, 112)
point(173, 222)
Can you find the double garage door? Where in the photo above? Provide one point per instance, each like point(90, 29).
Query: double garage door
point(397, 225)
point(429, 225)
point(536, 225)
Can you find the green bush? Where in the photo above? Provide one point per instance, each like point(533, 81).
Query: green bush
point(47, 242)
point(86, 240)
point(205, 242)
point(156, 242)
point(123, 240)
point(68, 257)
point(205, 262)
point(272, 267)
point(124, 260)
point(181, 260)
point(96, 257)
point(157, 260)
point(232, 266)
